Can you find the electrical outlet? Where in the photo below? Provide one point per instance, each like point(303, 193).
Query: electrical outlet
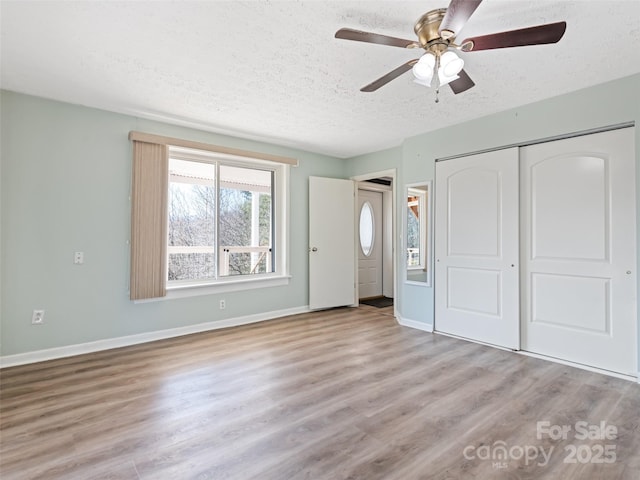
point(223, 304)
point(78, 258)
point(38, 317)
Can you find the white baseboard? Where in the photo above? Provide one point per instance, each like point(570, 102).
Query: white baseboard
point(406, 322)
point(475, 341)
point(580, 366)
point(549, 359)
point(90, 347)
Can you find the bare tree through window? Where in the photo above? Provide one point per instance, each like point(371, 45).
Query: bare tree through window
point(243, 209)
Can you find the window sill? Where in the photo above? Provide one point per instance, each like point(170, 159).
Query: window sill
point(196, 290)
point(418, 283)
point(230, 285)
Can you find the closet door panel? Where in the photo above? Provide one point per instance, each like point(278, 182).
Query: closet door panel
point(476, 227)
point(579, 250)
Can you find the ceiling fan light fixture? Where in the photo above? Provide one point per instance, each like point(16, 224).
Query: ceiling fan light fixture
point(445, 79)
point(450, 64)
point(423, 69)
point(421, 72)
point(424, 82)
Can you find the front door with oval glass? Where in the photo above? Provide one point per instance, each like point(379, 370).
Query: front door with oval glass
point(370, 243)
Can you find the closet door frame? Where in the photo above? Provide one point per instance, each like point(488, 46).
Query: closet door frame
point(632, 306)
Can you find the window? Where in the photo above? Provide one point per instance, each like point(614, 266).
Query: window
point(222, 221)
point(206, 215)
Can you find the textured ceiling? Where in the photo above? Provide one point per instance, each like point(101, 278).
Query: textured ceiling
point(272, 70)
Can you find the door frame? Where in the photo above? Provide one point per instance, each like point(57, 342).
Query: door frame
point(391, 173)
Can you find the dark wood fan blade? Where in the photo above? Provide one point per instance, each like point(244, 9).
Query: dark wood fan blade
point(458, 12)
point(461, 84)
point(393, 74)
point(359, 36)
point(539, 35)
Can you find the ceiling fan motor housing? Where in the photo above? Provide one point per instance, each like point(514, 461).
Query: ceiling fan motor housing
point(427, 30)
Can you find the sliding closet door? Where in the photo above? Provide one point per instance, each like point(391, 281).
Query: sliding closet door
point(476, 268)
point(579, 250)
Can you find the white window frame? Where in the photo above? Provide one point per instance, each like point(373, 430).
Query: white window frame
point(280, 276)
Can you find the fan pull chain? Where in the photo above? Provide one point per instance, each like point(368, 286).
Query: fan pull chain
point(436, 69)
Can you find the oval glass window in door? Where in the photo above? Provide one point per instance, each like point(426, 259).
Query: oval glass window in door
point(366, 228)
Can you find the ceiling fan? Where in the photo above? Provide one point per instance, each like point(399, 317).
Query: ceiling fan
point(437, 31)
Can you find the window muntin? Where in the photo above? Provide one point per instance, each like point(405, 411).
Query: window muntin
point(228, 226)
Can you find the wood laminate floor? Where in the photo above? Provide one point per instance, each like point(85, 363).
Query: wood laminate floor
point(340, 394)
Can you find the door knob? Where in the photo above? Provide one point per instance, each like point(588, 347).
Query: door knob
point(314, 249)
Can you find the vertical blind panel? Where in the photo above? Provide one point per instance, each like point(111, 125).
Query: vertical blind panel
point(149, 220)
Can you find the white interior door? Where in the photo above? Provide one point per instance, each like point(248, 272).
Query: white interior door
point(370, 251)
point(579, 250)
point(331, 241)
point(476, 246)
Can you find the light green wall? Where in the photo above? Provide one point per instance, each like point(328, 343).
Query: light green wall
point(376, 162)
point(66, 173)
